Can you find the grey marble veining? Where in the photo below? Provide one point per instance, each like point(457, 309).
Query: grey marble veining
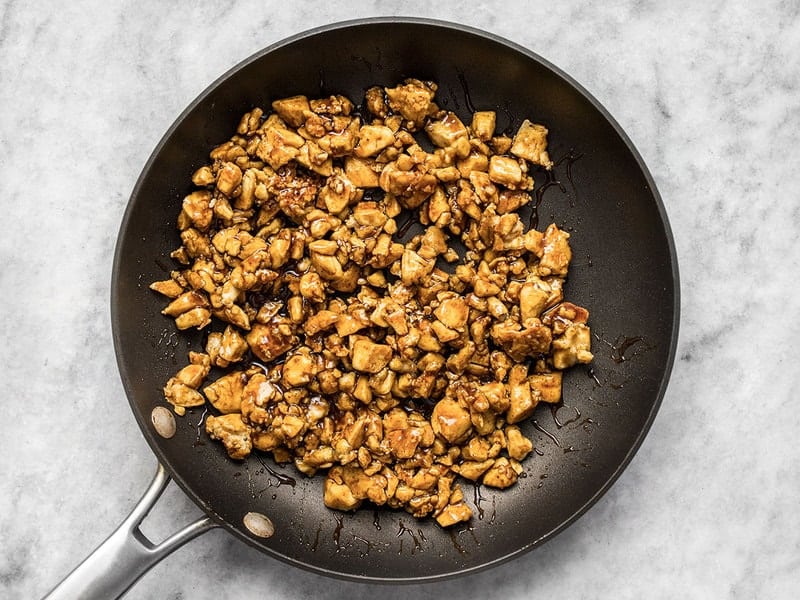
point(709, 94)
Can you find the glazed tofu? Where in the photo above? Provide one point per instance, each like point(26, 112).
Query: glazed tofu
point(232, 432)
point(530, 143)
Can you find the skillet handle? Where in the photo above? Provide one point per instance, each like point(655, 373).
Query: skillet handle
point(127, 554)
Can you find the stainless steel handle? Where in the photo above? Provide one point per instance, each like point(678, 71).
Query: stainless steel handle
point(127, 554)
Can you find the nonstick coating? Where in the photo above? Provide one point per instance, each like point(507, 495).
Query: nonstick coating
point(624, 270)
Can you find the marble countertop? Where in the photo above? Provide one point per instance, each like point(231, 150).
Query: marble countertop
point(709, 95)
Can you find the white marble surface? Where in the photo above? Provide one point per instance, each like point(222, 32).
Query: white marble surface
point(710, 96)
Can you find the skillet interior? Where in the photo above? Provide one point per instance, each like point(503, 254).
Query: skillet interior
point(624, 270)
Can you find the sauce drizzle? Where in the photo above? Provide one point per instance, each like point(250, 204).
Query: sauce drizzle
point(547, 433)
point(552, 180)
point(555, 409)
point(280, 477)
point(619, 348)
point(337, 532)
point(467, 98)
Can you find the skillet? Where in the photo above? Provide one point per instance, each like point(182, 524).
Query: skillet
point(624, 270)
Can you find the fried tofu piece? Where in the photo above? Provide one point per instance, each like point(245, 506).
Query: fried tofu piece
point(232, 432)
point(412, 99)
point(530, 143)
point(369, 357)
point(483, 124)
point(225, 394)
point(573, 347)
point(557, 253)
point(292, 109)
